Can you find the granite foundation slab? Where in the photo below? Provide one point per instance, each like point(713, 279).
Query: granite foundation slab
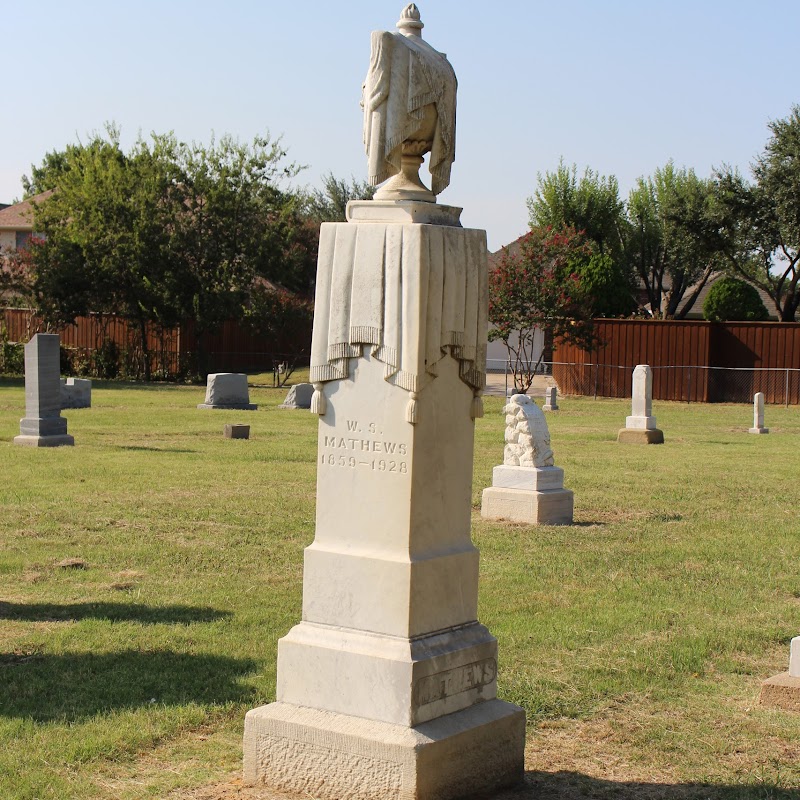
point(640, 436)
point(330, 756)
point(45, 441)
point(782, 691)
point(550, 507)
point(236, 430)
point(758, 430)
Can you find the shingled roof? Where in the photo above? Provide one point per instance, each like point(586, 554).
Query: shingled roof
point(19, 217)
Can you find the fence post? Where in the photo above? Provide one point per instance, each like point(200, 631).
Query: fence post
point(595, 381)
point(786, 393)
point(689, 387)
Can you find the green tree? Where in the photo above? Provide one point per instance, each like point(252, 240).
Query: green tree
point(760, 220)
point(329, 203)
point(732, 299)
point(672, 240)
point(168, 232)
point(591, 204)
point(538, 287)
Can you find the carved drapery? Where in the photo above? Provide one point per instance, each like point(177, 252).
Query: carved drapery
point(414, 293)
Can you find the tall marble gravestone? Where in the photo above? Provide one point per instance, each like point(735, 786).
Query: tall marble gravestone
point(640, 426)
point(758, 414)
point(387, 687)
point(43, 425)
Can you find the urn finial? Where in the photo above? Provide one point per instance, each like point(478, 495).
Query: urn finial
point(410, 23)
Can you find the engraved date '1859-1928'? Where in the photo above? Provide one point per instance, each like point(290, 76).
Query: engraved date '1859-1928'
point(363, 447)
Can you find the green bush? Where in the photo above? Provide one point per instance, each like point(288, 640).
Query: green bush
point(730, 299)
point(107, 362)
point(12, 358)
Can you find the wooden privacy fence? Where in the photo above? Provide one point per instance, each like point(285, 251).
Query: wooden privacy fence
point(692, 361)
point(232, 347)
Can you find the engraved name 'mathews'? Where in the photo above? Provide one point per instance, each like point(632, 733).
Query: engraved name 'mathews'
point(362, 443)
point(454, 681)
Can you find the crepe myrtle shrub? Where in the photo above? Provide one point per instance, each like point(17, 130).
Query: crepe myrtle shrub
point(281, 318)
point(731, 299)
point(538, 286)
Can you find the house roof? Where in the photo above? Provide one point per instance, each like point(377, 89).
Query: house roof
point(19, 217)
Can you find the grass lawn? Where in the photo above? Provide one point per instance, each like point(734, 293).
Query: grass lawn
point(636, 639)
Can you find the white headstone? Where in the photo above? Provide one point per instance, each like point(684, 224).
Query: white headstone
point(387, 687)
point(758, 414)
point(794, 658)
point(43, 425)
point(550, 399)
point(642, 400)
point(228, 390)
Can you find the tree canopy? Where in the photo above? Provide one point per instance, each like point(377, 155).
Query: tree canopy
point(733, 299)
point(537, 286)
point(168, 231)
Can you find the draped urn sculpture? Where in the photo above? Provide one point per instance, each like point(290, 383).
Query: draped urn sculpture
point(409, 102)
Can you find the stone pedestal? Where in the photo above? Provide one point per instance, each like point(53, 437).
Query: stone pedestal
point(228, 390)
point(640, 427)
point(387, 687)
point(758, 414)
point(43, 425)
point(534, 495)
point(783, 691)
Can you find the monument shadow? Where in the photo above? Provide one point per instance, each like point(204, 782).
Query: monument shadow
point(75, 686)
point(569, 785)
point(113, 612)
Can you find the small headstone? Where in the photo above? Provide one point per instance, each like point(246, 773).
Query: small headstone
point(76, 393)
point(527, 487)
point(550, 399)
point(72, 563)
point(783, 691)
point(299, 396)
point(640, 427)
point(237, 430)
point(758, 414)
point(228, 390)
point(43, 425)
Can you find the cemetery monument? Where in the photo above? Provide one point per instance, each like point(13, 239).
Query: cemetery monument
point(76, 393)
point(43, 425)
point(550, 399)
point(387, 687)
point(299, 396)
point(640, 427)
point(758, 414)
point(527, 487)
point(228, 390)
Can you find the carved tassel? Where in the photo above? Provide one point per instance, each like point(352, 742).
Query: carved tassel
point(477, 405)
point(319, 405)
point(411, 409)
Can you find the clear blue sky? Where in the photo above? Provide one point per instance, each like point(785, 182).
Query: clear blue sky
point(620, 86)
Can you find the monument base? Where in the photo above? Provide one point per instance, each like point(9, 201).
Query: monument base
point(60, 440)
point(782, 691)
point(549, 507)
point(641, 436)
point(758, 430)
point(231, 406)
point(330, 756)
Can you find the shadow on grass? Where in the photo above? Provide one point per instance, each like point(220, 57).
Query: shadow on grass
point(154, 449)
point(114, 612)
point(567, 785)
point(76, 686)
